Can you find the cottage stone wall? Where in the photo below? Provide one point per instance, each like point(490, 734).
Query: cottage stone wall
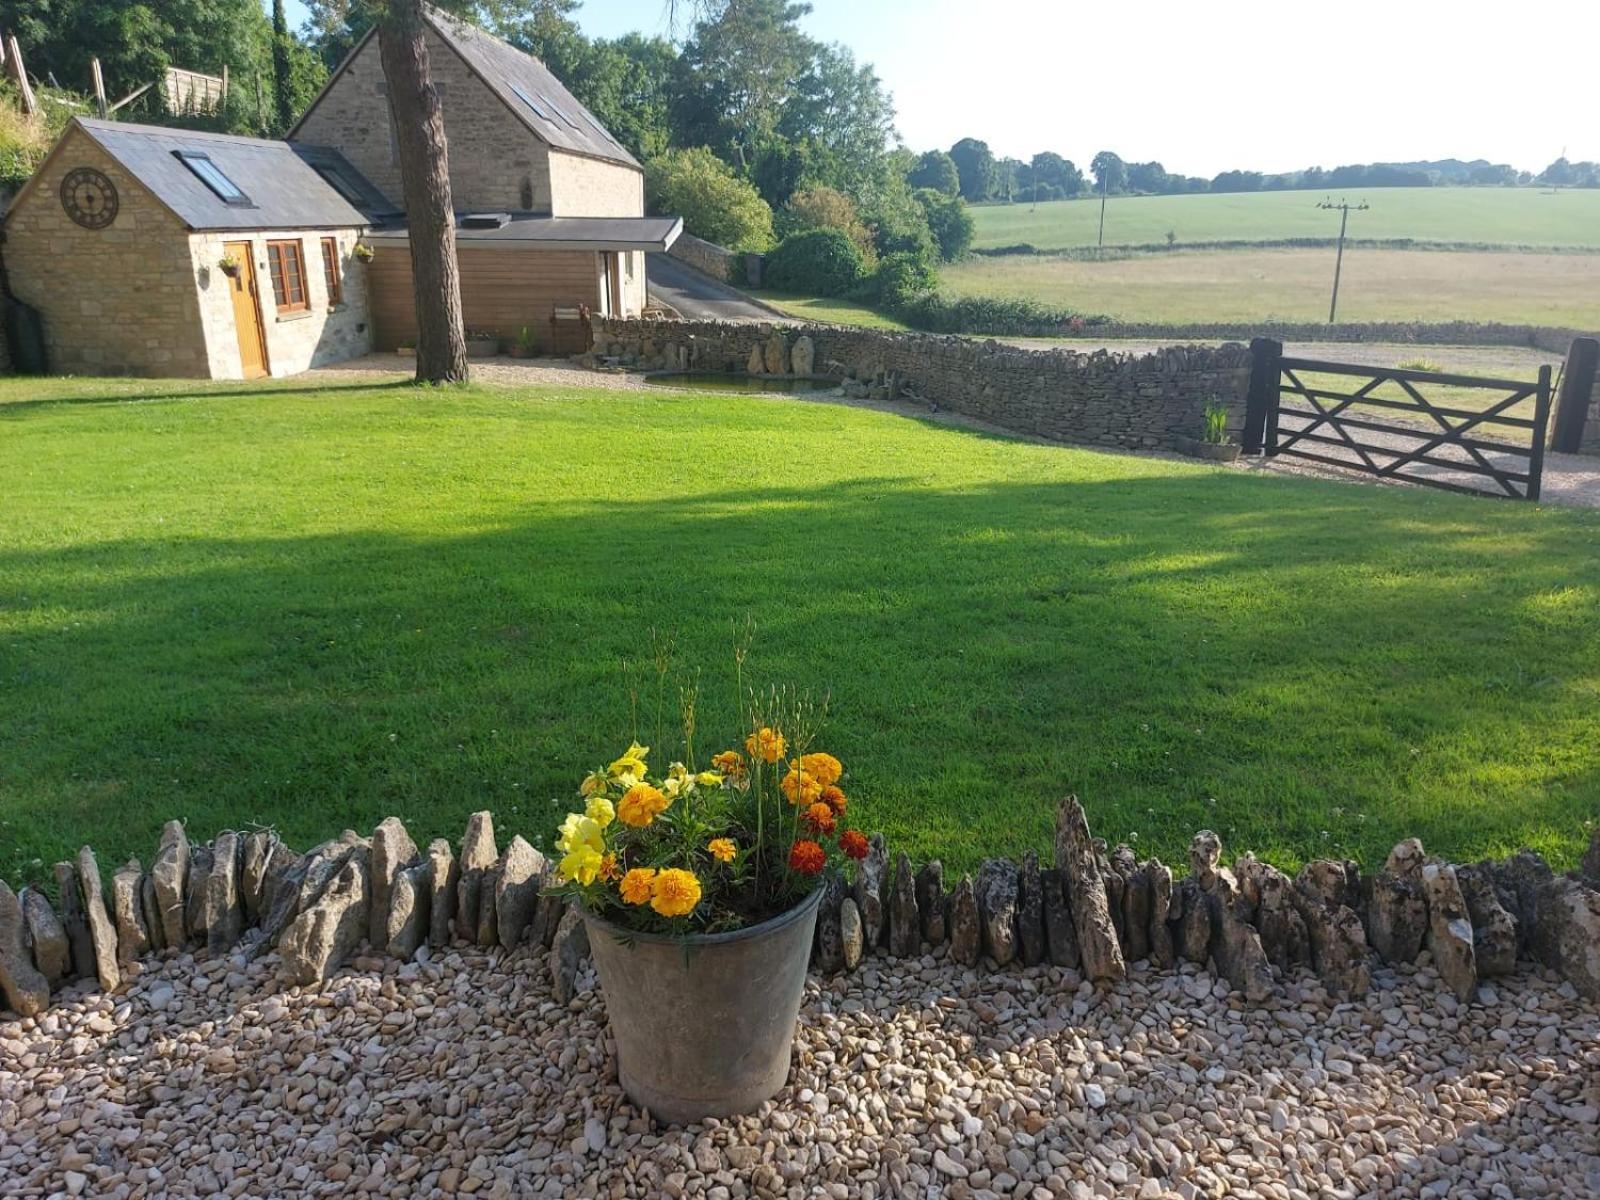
point(496, 162)
point(590, 187)
point(708, 257)
point(115, 301)
point(295, 341)
point(1102, 399)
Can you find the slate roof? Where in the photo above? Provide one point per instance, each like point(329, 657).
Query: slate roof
point(650, 234)
point(512, 75)
point(284, 187)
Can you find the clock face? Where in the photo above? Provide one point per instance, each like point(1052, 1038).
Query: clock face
point(89, 198)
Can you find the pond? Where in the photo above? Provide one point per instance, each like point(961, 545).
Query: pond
point(713, 381)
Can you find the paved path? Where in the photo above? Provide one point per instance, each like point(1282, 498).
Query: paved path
point(698, 297)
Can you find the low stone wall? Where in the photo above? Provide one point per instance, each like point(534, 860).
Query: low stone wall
point(1102, 399)
point(1093, 912)
point(1552, 339)
point(706, 256)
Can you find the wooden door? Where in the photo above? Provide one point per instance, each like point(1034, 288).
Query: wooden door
point(247, 311)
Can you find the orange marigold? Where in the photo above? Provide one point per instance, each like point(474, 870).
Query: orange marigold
point(799, 787)
point(825, 767)
point(675, 893)
point(766, 744)
point(640, 805)
point(722, 849)
point(608, 867)
point(819, 817)
point(854, 844)
point(834, 798)
point(730, 763)
point(638, 884)
point(807, 857)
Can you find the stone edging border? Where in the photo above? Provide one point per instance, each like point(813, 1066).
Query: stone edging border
point(1093, 912)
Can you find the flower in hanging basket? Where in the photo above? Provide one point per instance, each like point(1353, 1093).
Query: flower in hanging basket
point(362, 252)
point(228, 264)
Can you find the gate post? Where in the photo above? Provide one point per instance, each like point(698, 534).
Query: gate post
point(1261, 408)
point(1577, 394)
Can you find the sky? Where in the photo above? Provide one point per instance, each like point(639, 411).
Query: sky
point(1234, 84)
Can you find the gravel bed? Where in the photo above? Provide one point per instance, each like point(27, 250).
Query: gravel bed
point(462, 1075)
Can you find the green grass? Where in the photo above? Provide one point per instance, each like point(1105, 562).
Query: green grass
point(830, 311)
point(267, 604)
point(1294, 285)
point(1513, 216)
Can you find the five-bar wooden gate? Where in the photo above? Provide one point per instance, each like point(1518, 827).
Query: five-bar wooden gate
point(1382, 422)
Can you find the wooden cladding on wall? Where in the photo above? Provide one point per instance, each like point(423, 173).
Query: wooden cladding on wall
point(503, 288)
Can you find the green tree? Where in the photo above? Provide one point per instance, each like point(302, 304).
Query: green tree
point(1110, 172)
point(1059, 175)
point(282, 80)
point(975, 166)
point(817, 262)
point(714, 202)
point(936, 170)
point(948, 221)
point(823, 207)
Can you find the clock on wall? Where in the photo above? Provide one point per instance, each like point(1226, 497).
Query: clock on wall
point(89, 198)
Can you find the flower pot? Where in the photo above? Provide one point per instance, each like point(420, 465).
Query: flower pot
point(482, 348)
point(1211, 451)
point(704, 1024)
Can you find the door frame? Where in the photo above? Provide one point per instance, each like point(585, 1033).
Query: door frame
point(245, 253)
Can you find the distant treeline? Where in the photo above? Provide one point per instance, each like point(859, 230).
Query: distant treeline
point(972, 169)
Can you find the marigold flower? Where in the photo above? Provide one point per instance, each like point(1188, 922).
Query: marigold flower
point(819, 817)
point(608, 867)
point(834, 798)
point(729, 762)
point(806, 857)
point(582, 865)
point(854, 844)
point(600, 811)
point(640, 805)
point(675, 892)
point(799, 787)
point(825, 767)
point(637, 885)
point(766, 744)
point(722, 849)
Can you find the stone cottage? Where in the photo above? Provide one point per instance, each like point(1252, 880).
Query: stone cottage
point(161, 251)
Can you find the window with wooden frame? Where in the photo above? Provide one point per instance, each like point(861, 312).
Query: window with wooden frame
point(331, 273)
point(287, 268)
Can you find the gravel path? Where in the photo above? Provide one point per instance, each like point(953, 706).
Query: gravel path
point(501, 372)
point(463, 1076)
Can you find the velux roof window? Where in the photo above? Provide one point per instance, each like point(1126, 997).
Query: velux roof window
point(339, 182)
point(214, 178)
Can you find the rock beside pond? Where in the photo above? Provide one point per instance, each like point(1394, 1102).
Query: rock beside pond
point(804, 355)
point(775, 355)
point(996, 893)
point(966, 933)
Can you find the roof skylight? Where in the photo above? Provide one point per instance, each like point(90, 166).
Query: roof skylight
point(214, 178)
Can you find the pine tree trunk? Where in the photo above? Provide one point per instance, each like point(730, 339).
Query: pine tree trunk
point(425, 175)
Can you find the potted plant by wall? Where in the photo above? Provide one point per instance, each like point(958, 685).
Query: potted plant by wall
point(525, 346)
point(699, 888)
point(229, 264)
point(1213, 444)
point(362, 252)
point(482, 343)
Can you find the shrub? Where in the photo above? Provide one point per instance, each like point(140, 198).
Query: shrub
point(826, 208)
point(1006, 317)
point(900, 278)
point(715, 204)
point(948, 221)
point(818, 262)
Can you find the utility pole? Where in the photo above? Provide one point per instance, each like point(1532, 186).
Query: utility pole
point(1344, 208)
point(1105, 178)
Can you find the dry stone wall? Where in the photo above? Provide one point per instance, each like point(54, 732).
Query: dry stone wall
point(1124, 401)
point(1552, 339)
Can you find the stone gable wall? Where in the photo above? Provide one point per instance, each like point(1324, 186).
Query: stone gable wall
point(116, 301)
point(1124, 401)
point(496, 162)
point(588, 187)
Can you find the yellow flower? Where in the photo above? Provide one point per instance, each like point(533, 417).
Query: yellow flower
point(641, 805)
point(708, 779)
point(800, 787)
point(675, 892)
point(637, 885)
point(678, 781)
point(582, 865)
point(825, 767)
point(579, 831)
point(631, 763)
point(766, 744)
point(722, 849)
point(594, 781)
point(600, 811)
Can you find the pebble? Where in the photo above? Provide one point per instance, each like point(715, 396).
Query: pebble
point(465, 1077)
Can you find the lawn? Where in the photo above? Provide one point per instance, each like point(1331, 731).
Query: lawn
point(831, 311)
point(1294, 285)
point(1506, 216)
point(267, 604)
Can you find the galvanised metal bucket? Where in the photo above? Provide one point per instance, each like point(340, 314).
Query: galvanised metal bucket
point(704, 1023)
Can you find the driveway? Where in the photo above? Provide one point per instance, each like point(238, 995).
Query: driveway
point(698, 297)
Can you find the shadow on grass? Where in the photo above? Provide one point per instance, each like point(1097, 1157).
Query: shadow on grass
point(244, 390)
point(1309, 669)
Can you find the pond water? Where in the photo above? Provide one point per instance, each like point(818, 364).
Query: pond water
point(712, 381)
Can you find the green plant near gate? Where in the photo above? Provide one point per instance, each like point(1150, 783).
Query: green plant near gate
point(1216, 424)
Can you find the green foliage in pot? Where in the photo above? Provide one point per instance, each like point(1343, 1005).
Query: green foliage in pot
point(1216, 424)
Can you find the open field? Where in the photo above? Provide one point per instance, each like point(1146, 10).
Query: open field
point(830, 311)
point(312, 608)
point(1510, 216)
point(1294, 285)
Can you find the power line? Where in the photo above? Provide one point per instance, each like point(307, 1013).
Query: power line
point(1344, 208)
